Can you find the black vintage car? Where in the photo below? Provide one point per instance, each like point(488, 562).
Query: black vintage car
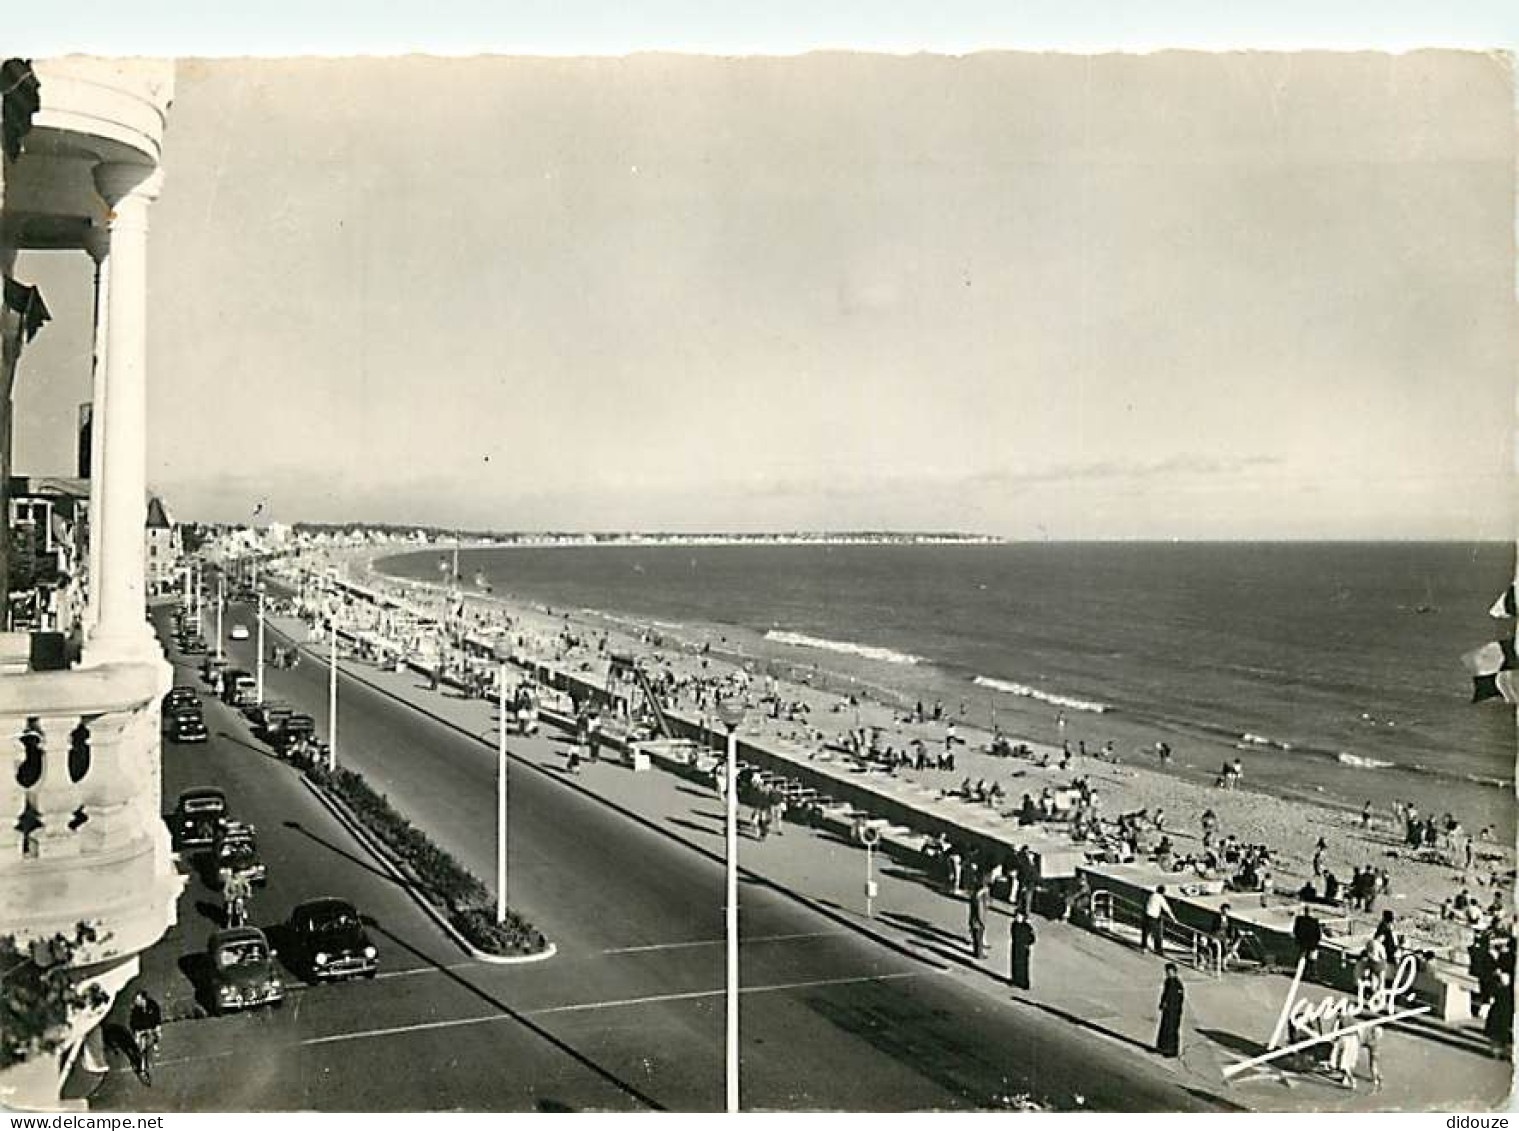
point(197, 815)
point(242, 974)
point(181, 699)
point(235, 850)
point(293, 729)
point(186, 726)
point(327, 940)
point(268, 717)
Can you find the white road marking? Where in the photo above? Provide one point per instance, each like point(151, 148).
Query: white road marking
point(720, 942)
point(618, 1003)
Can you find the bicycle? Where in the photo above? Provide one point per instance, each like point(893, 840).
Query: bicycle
point(147, 1042)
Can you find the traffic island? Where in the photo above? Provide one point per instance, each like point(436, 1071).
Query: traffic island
point(450, 894)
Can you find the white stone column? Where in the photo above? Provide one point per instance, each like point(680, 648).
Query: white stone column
point(98, 243)
point(121, 630)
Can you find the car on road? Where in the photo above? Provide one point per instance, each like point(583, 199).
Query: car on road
point(239, 688)
point(197, 814)
point(239, 632)
point(293, 730)
point(187, 726)
point(242, 971)
point(181, 699)
point(235, 849)
point(328, 941)
point(192, 645)
point(268, 717)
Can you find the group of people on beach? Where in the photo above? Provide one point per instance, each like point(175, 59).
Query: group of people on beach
point(680, 674)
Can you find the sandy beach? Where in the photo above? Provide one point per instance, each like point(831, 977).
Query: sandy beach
point(1291, 826)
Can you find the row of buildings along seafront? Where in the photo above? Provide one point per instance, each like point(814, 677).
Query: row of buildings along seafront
point(85, 842)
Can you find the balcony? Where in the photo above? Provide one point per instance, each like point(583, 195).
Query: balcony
point(87, 842)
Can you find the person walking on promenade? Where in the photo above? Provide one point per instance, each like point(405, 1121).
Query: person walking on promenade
point(1157, 910)
point(1027, 870)
point(1499, 1022)
point(593, 735)
point(1022, 938)
point(1345, 1055)
point(1388, 938)
point(1308, 934)
point(1173, 997)
point(978, 906)
point(1371, 1039)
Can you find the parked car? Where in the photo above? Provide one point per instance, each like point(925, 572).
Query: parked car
point(211, 668)
point(242, 970)
point(181, 698)
point(239, 687)
point(267, 718)
point(187, 726)
point(328, 940)
point(294, 729)
point(236, 850)
point(239, 632)
point(196, 816)
point(193, 645)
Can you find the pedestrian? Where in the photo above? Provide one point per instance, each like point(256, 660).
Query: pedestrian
point(1366, 814)
point(1308, 935)
point(1157, 910)
point(1022, 938)
point(1345, 1055)
point(1371, 1039)
point(1173, 997)
point(1388, 938)
point(978, 906)
point(593, 735)
point(1499, 1023)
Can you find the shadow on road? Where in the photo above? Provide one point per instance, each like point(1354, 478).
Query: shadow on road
point(526, 1023)
point(346, 855)
point(681, 822)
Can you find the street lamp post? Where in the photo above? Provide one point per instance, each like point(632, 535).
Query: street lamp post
point(332, 698)
point(258, 667)
point(732, 714)
point(501, 795)
point(221, 603)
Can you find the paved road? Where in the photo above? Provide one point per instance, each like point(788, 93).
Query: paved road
point(629, 1014)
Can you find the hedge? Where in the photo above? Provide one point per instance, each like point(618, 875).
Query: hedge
point(447, 884)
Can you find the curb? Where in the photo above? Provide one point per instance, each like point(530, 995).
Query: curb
point(370, 844)
point(811, 904)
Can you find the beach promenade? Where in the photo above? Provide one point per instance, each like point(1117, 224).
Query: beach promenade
point(1098, 983)
point(828, 710)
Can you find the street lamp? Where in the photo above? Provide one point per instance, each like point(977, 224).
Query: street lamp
point(332, 696)
point(501, 795)
point(221, 603)
point(731, 712)
point(258, 667)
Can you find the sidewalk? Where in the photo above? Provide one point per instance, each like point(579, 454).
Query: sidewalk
point(1100, 983)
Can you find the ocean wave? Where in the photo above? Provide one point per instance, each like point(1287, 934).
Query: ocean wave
point(1054, 700)
point(1249, 739)
point(1360, 763)
point(847, 647)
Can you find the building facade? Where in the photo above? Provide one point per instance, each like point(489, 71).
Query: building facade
point(160, 549)
point(85, 840)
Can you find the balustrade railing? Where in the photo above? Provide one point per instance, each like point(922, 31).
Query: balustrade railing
point(81, 798)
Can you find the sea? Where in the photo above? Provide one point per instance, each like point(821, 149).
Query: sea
point(1332, 669)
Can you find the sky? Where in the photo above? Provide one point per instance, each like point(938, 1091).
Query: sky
point(1180, 295)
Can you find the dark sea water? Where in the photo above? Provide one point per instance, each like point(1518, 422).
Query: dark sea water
point(1331, 668)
